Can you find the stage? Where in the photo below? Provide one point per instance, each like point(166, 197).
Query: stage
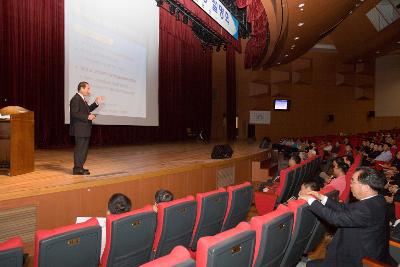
point(51, 196)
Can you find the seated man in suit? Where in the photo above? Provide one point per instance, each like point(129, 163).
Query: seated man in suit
point(362, 226)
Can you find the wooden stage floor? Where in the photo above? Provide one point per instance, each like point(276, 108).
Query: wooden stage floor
point(108, 165)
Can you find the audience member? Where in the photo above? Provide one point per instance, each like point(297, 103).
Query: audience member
point(339, 177)
point(117, 204)
point(162, 195)
point(362, 226)
point(385, 155)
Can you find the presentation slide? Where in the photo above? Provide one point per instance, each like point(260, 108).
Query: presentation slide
point(113, 45)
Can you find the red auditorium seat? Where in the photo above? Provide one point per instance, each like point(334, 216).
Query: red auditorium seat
point(211, 210)
point(69, 246)
point(129, 238)
point(239, 202)
point(273, 232)
point(11, 253)
point(344, 197)
point(234, 247)
point(175, 221)
point(304, 222)
point(397, 209)
point(320, 227)
point(179, 256)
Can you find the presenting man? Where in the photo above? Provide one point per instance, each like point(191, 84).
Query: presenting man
point(362, 226)
point(81, 125)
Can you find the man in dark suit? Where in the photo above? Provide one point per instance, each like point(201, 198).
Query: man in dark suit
point(362, 226)
point(81, 125)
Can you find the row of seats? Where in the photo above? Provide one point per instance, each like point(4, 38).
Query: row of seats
point(136, 237)
point(289, 185)
point(278, 238)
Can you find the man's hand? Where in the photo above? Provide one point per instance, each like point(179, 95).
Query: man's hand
point(305, 197)
point(99, 100)
point(91, 117)
point(316, 195)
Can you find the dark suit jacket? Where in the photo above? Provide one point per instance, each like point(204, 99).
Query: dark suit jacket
point(80, 126)
point(362, 230)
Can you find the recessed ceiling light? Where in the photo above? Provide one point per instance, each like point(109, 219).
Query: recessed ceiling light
point(301, 9)
point(300, 24)
point(278, 63)
point(357, 5)
point(297, 38)
point(293, 46)
point(362, 0)
point(398, 42)
point(286, 55)
point(378, 52)
point(301, 5)
point(351, 12)
point(360, 60)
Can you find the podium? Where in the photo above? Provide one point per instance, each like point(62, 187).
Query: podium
point(17, 140)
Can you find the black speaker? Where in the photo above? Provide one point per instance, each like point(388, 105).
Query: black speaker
point(265, 142)
point(221, 152)
point(371, 114)
point(331, 117)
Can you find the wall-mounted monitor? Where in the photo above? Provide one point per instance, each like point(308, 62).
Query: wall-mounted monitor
point(282, 104)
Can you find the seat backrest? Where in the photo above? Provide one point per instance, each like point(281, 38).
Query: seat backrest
point(179, 257)
point(239, 202)
point(68, 246)
point(234, 247)
point(320, 227)
point(346, 192)
point(304, 221)
point(273, 232)
point(129, 238)
point(175, 221)
point(11, 253)
point(211, 210)
point(300, 174)
point(288, 181)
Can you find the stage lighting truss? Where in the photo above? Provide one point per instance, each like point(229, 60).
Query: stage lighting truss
point(209, 39)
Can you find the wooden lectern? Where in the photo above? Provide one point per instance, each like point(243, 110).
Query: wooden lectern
point(17, 140)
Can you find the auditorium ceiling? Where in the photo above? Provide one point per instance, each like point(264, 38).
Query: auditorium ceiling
point(357, 30)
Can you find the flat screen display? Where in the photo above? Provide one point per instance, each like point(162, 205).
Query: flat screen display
point(281, 104)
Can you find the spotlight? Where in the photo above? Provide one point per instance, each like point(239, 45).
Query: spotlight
point(159, 3)
point(172, 9)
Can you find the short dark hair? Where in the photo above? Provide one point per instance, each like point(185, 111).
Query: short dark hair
point(163, 195)
point(82, 84)
point(119, 203)
point(350, 158)
point(338, 160)
point(312, 184)
point(348, 144)
point(296, 158)
point(343, 166)
point(376, 180)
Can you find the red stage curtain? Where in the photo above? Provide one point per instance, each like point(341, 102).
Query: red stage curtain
point(32, 76)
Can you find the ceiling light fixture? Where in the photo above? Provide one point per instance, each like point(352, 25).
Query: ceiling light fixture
point(286, 55)
point(300, 24)
point(296, 38)
point(301, 5)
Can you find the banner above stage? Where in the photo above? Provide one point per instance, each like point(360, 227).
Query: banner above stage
point(221, 15)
